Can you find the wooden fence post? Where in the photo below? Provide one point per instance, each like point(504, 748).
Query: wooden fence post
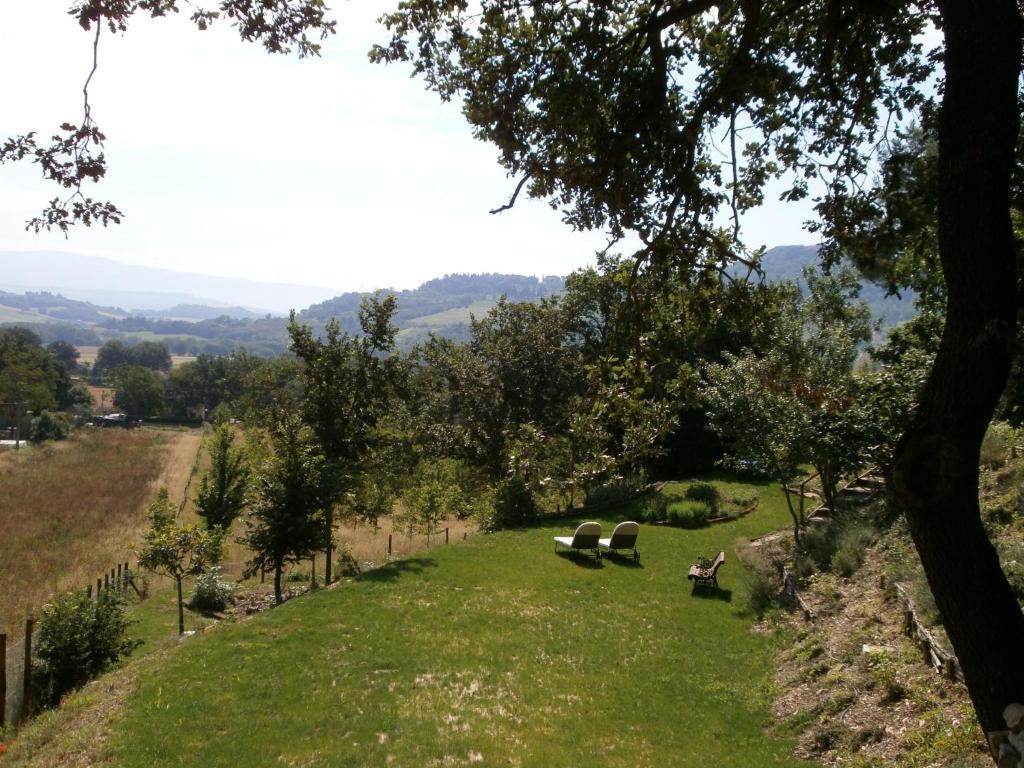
point(118, 584)
point(445, 535)
point(99, 588)
point(26, 703)
point(88, 592)
point(3, 680)
point(389, 545)
point(126, 577)
point(106, 582)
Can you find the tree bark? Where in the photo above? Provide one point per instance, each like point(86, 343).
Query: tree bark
point(329, 517)
point(935, 470)
point(797, 520)
point(277, 584)
point(181, 607)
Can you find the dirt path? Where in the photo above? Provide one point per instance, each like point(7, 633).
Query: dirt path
point(177, 473)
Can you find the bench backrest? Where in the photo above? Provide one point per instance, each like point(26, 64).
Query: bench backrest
point(718, 562)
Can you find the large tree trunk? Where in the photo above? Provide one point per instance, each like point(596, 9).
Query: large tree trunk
point(935, 473)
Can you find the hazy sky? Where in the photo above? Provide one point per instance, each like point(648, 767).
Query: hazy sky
point(229, 161)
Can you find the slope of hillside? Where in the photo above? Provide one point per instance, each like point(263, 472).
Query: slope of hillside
point(495, 651)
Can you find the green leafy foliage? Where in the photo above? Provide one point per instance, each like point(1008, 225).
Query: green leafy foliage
point(211, 592)
point(30, 375)
point(139, 390)
point(146, 354)
point(706, 493)
point(435, 492)
point(49, 426)
point(223, 489)
point(347, 384)
point(688, 513)
point(79, 639)
point(285, 524)
point(996, 446)
point(175, 550)
point(514, 505)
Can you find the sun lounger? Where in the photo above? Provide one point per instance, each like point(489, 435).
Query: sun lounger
point(622, 538)
point(586, 537)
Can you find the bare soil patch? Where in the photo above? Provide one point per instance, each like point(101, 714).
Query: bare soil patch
point(858, 692)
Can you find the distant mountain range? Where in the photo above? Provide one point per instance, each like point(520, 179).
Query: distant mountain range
point(113, 283)
point(787, 262)
point(443, 306)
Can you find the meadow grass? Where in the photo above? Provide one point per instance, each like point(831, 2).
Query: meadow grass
point(72, 510)
point(492, 651)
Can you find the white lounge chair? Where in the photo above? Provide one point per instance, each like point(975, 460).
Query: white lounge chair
point(623, 537)
point(586, 537)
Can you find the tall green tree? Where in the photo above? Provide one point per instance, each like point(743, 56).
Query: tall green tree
point(285, 524)
point(613, 111)
point(29, 374)
point(347, 385)
point(139, 391)
point(223, 489)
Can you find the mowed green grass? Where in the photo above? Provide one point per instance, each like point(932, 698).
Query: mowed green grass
point(491, 652)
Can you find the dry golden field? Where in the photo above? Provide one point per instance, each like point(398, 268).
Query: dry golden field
point(69, 511)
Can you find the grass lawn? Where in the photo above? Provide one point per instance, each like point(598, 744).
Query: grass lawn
point(495, 651)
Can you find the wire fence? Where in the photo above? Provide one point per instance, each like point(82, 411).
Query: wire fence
point(15, 686)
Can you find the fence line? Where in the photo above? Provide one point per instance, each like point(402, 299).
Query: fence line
point(16, 655)
point(431, 540)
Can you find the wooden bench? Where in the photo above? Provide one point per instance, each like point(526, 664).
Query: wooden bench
point(705, 572)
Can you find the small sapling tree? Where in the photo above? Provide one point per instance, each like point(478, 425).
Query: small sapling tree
point(286, 521)
point(434, 494)
point(177, 550)
point(222, 491)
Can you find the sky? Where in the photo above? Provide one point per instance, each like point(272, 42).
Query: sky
point(229, 161)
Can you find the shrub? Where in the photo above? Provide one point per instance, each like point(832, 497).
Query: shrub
point(995, 447)
point(513, 505)
point(49, 426)
point(803, 566)
point(211, 592)
point(744, 498)
point(654, 508)
point(622, 490)
point(687, 513)
point(852, 542)
point(1012, 557)
point(706, 493)
point(839, 545)
point(347, 564)
point(760, 584)
point(78, 639)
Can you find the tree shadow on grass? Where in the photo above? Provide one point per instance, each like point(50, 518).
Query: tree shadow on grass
point(396, 569)
point(583, 561)
point(711, 593)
